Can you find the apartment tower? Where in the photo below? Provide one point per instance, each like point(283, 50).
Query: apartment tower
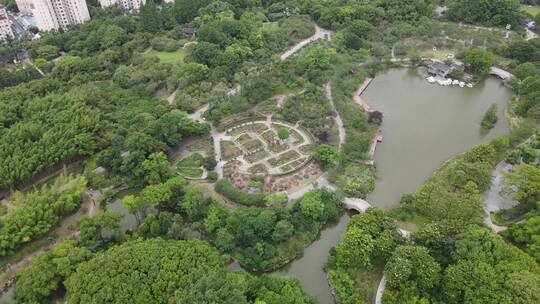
point(129, 5)
point(5, 26)
point(56, 14)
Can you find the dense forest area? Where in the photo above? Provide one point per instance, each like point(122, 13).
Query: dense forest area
point(123, 92)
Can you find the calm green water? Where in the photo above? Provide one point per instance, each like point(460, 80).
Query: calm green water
point(424, 125)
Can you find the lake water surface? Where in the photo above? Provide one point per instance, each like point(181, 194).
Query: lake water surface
point(424, 125)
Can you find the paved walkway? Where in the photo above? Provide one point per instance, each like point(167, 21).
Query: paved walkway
point(321, 182)
point(493, 200)
point(171, 97)
point(358, 95)
point(530, 34)
point(339, 121)
point(197, 115)
point(320, 33)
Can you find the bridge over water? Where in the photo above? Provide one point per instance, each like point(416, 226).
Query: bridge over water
point(356, 204)
point(500, 73)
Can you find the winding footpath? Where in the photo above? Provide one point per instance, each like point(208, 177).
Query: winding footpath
point(320, 33)
point(339, 121)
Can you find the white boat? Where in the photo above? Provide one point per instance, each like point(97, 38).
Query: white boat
point(445, 82)
point(470, 85)
point(431, 79)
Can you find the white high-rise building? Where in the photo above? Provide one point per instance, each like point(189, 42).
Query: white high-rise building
point(5, 26)
point(126, 4)
point(25, 6)
point(59, 14)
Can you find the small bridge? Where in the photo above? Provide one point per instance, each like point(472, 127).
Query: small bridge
point(357, 204)
point(500, 73)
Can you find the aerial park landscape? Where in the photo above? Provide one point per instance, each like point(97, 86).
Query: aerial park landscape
point(302, 151)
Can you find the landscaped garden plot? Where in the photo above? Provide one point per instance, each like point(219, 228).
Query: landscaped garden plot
point(257, 156)
point(296, 138)
point(253, 145)
point(258, 169)
point(203, 145)
point(229, 150)
point(191, 166)
point(266, 148)
point(279, 148)
point(288, 157)
point(269, 136)
point(256, 128)
point(243, 139)
point(307, 149)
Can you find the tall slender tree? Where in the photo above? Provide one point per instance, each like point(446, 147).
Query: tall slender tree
point(149, 17)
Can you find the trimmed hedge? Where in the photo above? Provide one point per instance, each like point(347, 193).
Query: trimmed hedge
point(236, 195)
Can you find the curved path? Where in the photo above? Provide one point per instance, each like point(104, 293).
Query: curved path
point(382, 284)
point(493, 199)
point(339, 121)
point(320, 33)
point(380, 290)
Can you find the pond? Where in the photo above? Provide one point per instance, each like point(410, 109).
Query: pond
point(129, 221)
point(7, 296)
point(424, 125)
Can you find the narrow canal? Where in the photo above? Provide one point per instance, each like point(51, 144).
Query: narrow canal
point(424, 125)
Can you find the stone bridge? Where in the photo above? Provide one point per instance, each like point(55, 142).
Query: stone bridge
point(357, 204)
point(500, 73)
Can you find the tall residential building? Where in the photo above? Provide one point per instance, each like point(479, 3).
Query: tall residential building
point(5, 26)
point(126, 4)
point(59, 14)
point(25, 6)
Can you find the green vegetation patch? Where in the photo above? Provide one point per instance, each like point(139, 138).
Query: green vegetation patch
point(169, 57)
point(258, 169)
point(254, 157)
point(531, 9)
point(194, 160)
point(236, 195)
point(229, 150)
point(252, 145)
point(190, 172)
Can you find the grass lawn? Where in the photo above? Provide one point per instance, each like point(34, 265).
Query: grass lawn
point(192, 172)
point(531, 9)
point(169, 57)
point(441, 55)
